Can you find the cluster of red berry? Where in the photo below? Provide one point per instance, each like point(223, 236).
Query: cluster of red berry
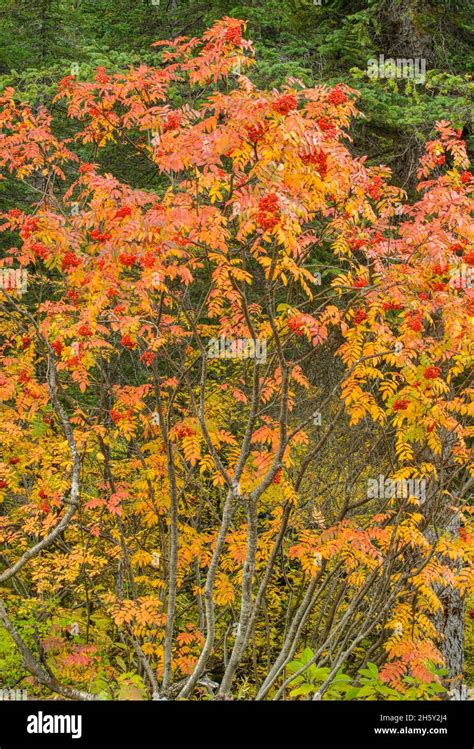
point(101, 76)
point(127, 341)
point(359, 316)
point(268, 215)
point(285, 104)
point(257, 131)
point(233, 35)
point(173, 122)
point(318, 159)
point(337, 96)
point(70, 261)
point(400, 405)
point(99, 236)
point(126, 259)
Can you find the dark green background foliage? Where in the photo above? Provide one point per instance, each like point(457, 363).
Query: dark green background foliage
point(40, 39)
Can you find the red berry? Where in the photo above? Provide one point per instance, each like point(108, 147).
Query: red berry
point(468, 258)
point(285, 104)
point(184, 431)
point(269, 202)
point(127, 260)
point(173, 122)
point(127, 341)
point(39, 250)
point(337, 96)
point(360, 316)
point(147, 260)
point(26, 341)
point(374, 190)
point(99, 237)
point(326, 126)
point(413, 322)
point(296, 324)
point(256, 131)
point(233, 35)
point(431, 373)
point(70, 261)
point(387, 306)
point(268, 215)
point(73, 296)
point(319, 159)
point(400, 405)
point(116, 416)
point(123, 212)
point(86, 168)
point(148, 357)
point(57, 346)
point(101, 76)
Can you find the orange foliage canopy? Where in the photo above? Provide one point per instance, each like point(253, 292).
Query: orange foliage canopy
point(260, 225)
